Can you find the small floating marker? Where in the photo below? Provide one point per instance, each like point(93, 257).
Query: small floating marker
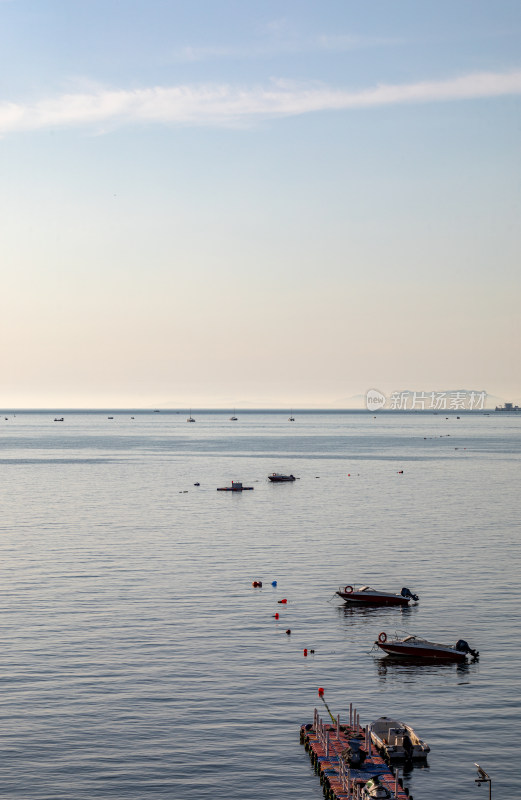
point(197, 484)
point(312, 652)
point(274, 583)
point(288, 632)
point(276, 615)
point(257, 584)
point(400, 472)
point(305, 652)
point(321, 692)
point(348, 474)
point(282, 601)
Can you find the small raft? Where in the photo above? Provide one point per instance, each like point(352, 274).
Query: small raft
point(235, 487)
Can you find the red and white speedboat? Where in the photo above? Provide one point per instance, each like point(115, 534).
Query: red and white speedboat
point(415, 647)
point(370, 596)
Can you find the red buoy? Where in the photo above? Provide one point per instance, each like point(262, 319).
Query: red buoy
point(282, 601)
point(305, 652)
point(255, 584)
point(276, 615)
point(288, 631)
point(321, 692)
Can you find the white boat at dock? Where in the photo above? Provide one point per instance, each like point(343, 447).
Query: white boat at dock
point(396, 740)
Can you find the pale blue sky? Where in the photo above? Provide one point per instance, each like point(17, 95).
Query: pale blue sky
point(264, 204)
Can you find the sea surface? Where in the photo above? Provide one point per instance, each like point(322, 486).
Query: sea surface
point(137, 660)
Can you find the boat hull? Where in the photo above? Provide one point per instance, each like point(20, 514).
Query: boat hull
point(405, 650)
point(380, 599)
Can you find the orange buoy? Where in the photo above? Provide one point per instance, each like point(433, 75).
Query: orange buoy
point(255, 584)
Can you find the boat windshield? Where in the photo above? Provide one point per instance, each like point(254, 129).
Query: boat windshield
point(366, 589)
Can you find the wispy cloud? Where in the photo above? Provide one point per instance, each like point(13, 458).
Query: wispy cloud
point(226, 105)
point(281, 45)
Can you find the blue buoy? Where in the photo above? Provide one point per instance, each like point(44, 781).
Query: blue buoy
point(274, 583)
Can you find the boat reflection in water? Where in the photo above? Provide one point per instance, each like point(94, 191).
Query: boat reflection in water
point(371, 613)
point(409, 669)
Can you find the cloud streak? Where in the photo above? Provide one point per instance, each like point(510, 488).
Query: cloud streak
point(232, 106)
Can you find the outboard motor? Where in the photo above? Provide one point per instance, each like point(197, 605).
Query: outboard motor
point(408, 747)
point(463, 647)
point(407, 593)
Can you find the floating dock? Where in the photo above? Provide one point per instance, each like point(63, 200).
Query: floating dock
point(327, 745)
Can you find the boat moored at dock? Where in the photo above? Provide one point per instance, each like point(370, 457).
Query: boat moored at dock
point(416, 647)
point(397, 741)
point(370, 596)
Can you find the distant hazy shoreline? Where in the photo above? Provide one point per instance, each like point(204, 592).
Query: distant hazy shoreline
point(239, 411)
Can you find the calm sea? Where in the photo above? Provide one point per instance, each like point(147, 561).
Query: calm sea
point(137, 661)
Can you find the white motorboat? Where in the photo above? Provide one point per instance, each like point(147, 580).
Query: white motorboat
point(397, 740)
point(415, 647)
point(370, 596)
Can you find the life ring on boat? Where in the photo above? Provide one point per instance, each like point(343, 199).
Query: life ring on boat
point(382, 637)
point(348, 589)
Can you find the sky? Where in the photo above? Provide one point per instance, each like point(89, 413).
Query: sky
point(229, 203)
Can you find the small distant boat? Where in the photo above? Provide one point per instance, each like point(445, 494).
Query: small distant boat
point(276, 477)
point(291, 418)
point(190, 418)
point(370, 596)
point(416, 647)
point(56, 419)
point(233, 418)
point(396, 740)
point(236, 487)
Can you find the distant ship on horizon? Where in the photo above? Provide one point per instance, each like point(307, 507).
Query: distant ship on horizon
point(509, 408)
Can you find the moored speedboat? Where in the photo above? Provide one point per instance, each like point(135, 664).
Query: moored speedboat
point(397, 740)
point(416, 647)
point(276, 477)
point(370, 596)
